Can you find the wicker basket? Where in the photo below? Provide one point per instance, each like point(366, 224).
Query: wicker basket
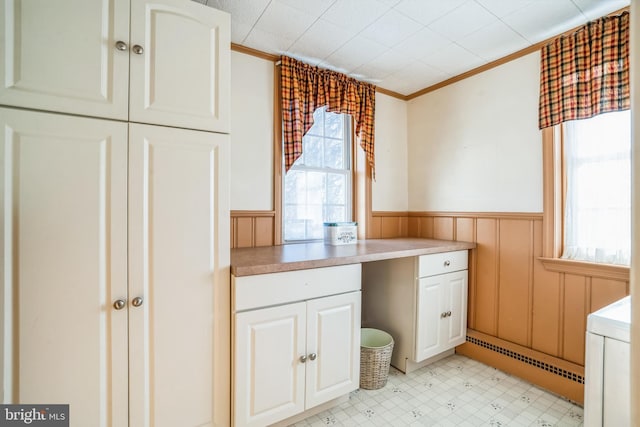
point(376, 347)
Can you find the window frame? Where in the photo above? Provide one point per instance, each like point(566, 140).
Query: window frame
point(360, 174)
point(348, 152)
point(554, 190)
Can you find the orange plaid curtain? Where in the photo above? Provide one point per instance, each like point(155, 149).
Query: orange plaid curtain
point(586, 73)
point(306, 88)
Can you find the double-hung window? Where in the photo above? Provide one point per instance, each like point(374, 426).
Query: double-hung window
point(597, 208)
point(318, 186)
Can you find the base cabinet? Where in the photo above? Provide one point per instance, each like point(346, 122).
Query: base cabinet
point(113, 265)
point(295, 356)
point(421, 301)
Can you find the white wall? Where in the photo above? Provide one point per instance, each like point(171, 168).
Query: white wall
point(474, 146)
point(251, 132)
point(389, 191)
point(635, 210)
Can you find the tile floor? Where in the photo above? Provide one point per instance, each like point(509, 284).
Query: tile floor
point(455, 391)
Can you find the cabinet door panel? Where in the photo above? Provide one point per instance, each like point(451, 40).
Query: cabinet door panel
point(182, 76)
point(64, 262)
point(179, 266)
point(269, 377)
point(430, 307)
point(333, 334)
point(456, 331)
point(61, 56)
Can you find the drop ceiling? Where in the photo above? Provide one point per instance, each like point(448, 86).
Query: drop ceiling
point(403, 45)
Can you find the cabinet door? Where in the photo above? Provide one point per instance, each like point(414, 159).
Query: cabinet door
point(333, 347)
point(616, 405)
point(64, 261)
point(181, 77)
point(430, 310)
point(179, 267)
point(269, 374)
point(455, 329)
point(61, 56)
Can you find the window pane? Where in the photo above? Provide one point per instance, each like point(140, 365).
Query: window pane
point(598, 200)
point(334, 153)
point(333, 127)
point(317, 189)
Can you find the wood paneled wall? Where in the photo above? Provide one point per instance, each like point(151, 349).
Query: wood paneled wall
point(250, 229)
point(511, 294)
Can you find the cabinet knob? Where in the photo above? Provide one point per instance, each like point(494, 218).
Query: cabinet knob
point(313, 356)
point(136, 302)
point(448, 314)
point(447, 263)
point(119, 304)
point(120, 45)
point(443, 315)
point(137, 49)
point(303, 359)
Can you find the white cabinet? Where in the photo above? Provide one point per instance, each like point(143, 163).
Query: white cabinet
point(607, 392)
point(114, 270)
point(161, 62)
point(421, 301)
point(294, 356)
point(441, 312)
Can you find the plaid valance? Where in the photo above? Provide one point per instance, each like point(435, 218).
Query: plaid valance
point(306, 88)
point(586, 73)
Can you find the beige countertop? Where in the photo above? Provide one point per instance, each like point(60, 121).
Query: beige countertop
point(299, 256)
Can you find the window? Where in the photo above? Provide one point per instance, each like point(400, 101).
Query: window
point(597, 208)
point(317, 188)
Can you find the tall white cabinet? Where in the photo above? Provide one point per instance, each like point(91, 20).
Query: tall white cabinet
point(115, 235)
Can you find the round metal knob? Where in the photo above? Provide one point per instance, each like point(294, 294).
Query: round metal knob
point(313, 356)
point(448, 314)
point(136, 302)
point(447, 263)
point(303, 359)
point(137, 49)
point(120, 45)
point(119, 304)
point(443, 315)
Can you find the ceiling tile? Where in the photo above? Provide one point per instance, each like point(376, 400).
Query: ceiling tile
point(391, 28)
point(321, 39)
point(594, 9)
point(239, 31)
point(453, 59)
point(267, 42)
point(354, 53)
point(355, 14)
point(390, 61)
point(284, 21)
point(501, 8)
point(558, 16)
point(311, 7)
point(245, 12)
point(463, 21)
point(422, 43)
point(494, 41)
point(427, 11)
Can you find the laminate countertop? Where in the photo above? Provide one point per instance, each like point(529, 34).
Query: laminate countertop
point(300, 256)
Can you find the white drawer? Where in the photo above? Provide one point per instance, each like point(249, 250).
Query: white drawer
point(445, 262)
point(264, 290)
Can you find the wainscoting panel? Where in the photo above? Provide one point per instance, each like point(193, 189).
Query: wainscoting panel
point(513, 298)
point(250, 229)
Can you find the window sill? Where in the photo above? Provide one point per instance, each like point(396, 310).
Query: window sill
point(582, 268)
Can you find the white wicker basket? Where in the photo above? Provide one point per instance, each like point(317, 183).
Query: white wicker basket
point(375, 357)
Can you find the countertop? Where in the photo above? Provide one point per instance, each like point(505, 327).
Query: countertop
point(612, 321)
point(299, 256)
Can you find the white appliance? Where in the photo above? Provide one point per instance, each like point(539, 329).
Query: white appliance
point(607, 367)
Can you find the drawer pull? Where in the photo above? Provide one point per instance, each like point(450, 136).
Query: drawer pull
point(447, 263)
